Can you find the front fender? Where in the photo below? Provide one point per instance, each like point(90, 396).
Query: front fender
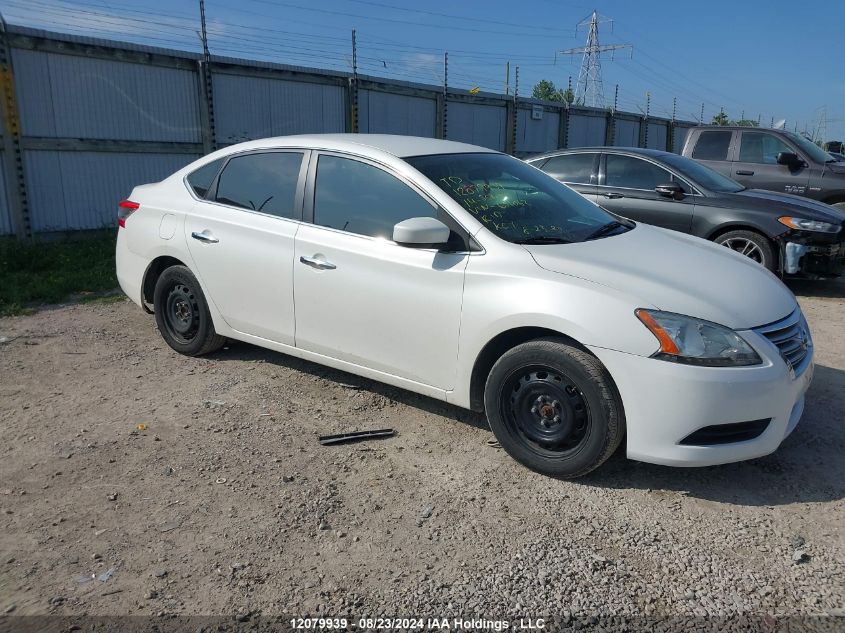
point(591, 314)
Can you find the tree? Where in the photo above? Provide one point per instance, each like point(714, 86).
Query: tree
point(546, 91)
point(720, 119)
point(568, 96)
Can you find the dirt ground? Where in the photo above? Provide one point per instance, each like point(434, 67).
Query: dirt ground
point(225, 503)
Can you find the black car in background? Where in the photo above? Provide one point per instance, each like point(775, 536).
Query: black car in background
point(782, 232)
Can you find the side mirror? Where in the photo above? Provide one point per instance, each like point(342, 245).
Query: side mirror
point(790, 159)
point(670, 190)
point(421, 233)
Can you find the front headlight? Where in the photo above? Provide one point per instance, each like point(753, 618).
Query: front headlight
point(803, 224)
point(692, 341)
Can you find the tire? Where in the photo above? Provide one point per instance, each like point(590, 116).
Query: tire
point(182, 315)
point(554, 408)
point(753, 245)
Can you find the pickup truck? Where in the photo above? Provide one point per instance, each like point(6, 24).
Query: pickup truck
point(776, 160)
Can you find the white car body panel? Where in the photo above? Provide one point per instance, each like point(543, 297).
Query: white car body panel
point(363, 311)
point(418, 319)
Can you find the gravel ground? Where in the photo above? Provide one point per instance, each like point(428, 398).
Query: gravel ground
point(197, 486)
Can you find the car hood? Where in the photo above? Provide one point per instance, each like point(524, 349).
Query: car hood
point(787, 204)
point(677, 273)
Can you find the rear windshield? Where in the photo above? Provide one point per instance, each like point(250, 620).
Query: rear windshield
point(514, 200)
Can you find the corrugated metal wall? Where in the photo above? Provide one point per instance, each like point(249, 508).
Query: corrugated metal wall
point(627, 133)
point(80, 190)
point(657, 135)
point(535, 136)
point(70, 96)
point(98, 117)
point(586, 130)
point(385, 113)
point(479, 124)
point(680, 137)
point(247, 107)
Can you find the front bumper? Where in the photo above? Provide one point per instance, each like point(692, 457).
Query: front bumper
point(666, 402)
point(806, 254)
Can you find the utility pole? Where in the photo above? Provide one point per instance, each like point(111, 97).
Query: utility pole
point(203, 34)
point(209, 130)
point(354, 82)
point(515, 109)
point(507, 78)
point(589, 90)
point(445, 94)
point(701, 118)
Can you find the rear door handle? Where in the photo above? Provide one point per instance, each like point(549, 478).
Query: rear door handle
point(205, 237)
point(319, 264)
point(613, 196)
point(744, 172)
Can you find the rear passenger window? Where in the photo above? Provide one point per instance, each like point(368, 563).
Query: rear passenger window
point(264, 182)
point(574, 168)
point(201, 179)
point(360, 198)
point(713, 145)
point(634, 173)
point(759, 147)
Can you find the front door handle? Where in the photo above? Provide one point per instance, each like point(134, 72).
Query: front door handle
point(612, 195)
point(744, 172)
point(205, 237)
point(319, 264)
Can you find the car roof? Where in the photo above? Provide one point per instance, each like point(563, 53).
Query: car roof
point(394, 144)
point(655, 153)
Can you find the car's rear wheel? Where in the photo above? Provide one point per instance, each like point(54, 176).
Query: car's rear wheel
point(554, 408)
point(182, 314)
point(750, 244)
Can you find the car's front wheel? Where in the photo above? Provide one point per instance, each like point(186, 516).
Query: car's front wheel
point(554, 408)
point(752, 245)
point(182, 314)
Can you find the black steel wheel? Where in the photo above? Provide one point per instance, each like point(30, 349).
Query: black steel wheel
point(546, 410)
point(182, 314)
point(554, 408)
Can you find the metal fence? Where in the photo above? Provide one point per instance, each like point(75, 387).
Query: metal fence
point(84, 120)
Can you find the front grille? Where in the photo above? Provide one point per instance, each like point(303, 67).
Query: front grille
point(726, 433)
point(792, 338)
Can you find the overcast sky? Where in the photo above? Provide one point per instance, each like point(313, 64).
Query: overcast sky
point(773, 59)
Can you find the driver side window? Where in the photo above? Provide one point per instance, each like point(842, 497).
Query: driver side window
point(360, 198)
point(634, 173)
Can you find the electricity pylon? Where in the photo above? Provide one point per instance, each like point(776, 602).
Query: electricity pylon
point(589, 90)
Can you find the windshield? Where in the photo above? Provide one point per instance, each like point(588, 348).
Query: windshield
point(516, 201)
point(702, 174)
point(816, 153)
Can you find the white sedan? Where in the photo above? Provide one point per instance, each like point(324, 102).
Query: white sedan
point(467, 275)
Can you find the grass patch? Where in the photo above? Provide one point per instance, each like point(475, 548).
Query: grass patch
point(50, 272)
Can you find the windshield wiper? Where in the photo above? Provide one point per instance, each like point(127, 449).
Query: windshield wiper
point(544, 239)
point(605, 230)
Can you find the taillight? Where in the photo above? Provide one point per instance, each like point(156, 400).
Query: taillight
point(125, 208)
